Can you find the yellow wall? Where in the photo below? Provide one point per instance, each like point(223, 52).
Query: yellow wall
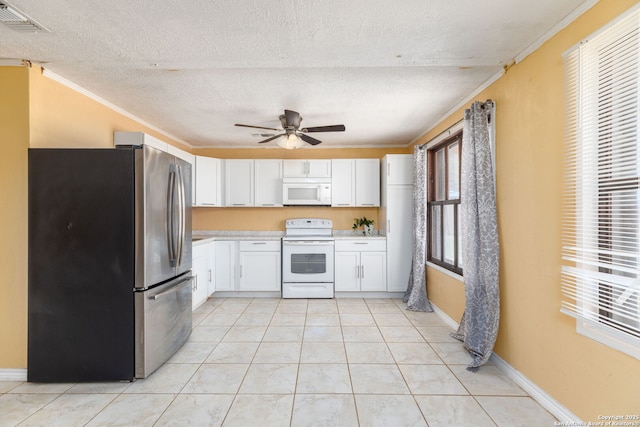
point(14, 140)
point(588, 378)
point(63, 118)
point(37, 112)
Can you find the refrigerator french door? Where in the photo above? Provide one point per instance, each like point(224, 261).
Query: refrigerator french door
point(109, 262)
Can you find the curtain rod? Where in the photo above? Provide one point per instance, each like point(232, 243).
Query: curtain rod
point(445, 132)
point(487, 104)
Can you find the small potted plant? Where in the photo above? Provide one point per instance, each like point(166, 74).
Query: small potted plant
point(366, 224)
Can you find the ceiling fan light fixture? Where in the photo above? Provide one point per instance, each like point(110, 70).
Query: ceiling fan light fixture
point(290, 141)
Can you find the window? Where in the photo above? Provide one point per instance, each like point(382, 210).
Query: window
point(601, 231)
point(443, 206)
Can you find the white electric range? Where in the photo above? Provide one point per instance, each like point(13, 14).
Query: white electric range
point(308, 258)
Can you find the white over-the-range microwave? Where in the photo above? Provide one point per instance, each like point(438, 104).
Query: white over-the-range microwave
point(306, 191)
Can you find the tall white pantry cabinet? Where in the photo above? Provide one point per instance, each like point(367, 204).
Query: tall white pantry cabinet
point(396, 217)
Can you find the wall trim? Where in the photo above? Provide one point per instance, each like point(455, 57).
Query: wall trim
point(55, 77)
point(13, 374)
point(539, 395)
point(555, 29)
point(9, 62)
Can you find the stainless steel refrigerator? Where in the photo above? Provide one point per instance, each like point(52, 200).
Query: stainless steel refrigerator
point(110, 283)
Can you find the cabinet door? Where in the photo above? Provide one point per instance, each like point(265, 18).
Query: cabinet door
point(343, 174)
point(225, 265)
point(398, 169)
point(373, 271)
point(367, 182)
point(268, 182)
point(259, 271)
point(199, 269)
point(319, 168)
point(347, 271)
point(239, 182)
point(399, 231)
point(295, 168)
point(307, 168)
point(208, 181)
point(211, 263)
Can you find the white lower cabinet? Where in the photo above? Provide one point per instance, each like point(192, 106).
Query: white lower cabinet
point(259, 266)
point(248, 265)
point(225, 265)
point(360, 265)
point(202, 270)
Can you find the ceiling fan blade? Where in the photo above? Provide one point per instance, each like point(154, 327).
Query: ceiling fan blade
point(333, 128)
point(271, 139)
point(255, 127)
point(308, 139)
point(292, 118)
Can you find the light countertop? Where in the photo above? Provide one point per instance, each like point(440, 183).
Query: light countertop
point(200, 237)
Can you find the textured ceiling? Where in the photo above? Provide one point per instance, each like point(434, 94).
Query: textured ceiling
point(386, 70)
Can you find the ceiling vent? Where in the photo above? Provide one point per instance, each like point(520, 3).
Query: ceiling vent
point(18, 21)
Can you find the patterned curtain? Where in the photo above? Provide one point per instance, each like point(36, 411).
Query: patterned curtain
point(416, 294)
point(480, 252)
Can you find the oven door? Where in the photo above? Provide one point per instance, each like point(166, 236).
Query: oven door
point(307, 261)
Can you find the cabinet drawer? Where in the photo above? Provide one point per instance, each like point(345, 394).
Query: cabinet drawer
point(260, 245)
point(361, 245)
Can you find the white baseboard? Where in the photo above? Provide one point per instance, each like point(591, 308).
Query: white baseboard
point(13, 374)
point(539, 395)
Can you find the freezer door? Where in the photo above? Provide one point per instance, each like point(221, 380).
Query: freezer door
point(163, 323)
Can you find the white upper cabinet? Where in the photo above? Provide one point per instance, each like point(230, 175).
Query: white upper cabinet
point(367, 182)
point(239, 182)
point(268, 182)
point(319, 168)
point(208, 181)
point(343, 182)
point(398, 169)
point(355, 182)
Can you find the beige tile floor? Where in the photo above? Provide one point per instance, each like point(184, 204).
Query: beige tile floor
point(270, 362)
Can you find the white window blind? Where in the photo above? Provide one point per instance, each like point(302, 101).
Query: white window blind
point(601, 227)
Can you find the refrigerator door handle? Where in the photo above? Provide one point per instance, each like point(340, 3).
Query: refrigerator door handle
point(171, 217)
point(181, 217)
point(172, 290)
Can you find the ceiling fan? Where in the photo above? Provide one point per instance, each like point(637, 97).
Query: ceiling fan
point(293, 134)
